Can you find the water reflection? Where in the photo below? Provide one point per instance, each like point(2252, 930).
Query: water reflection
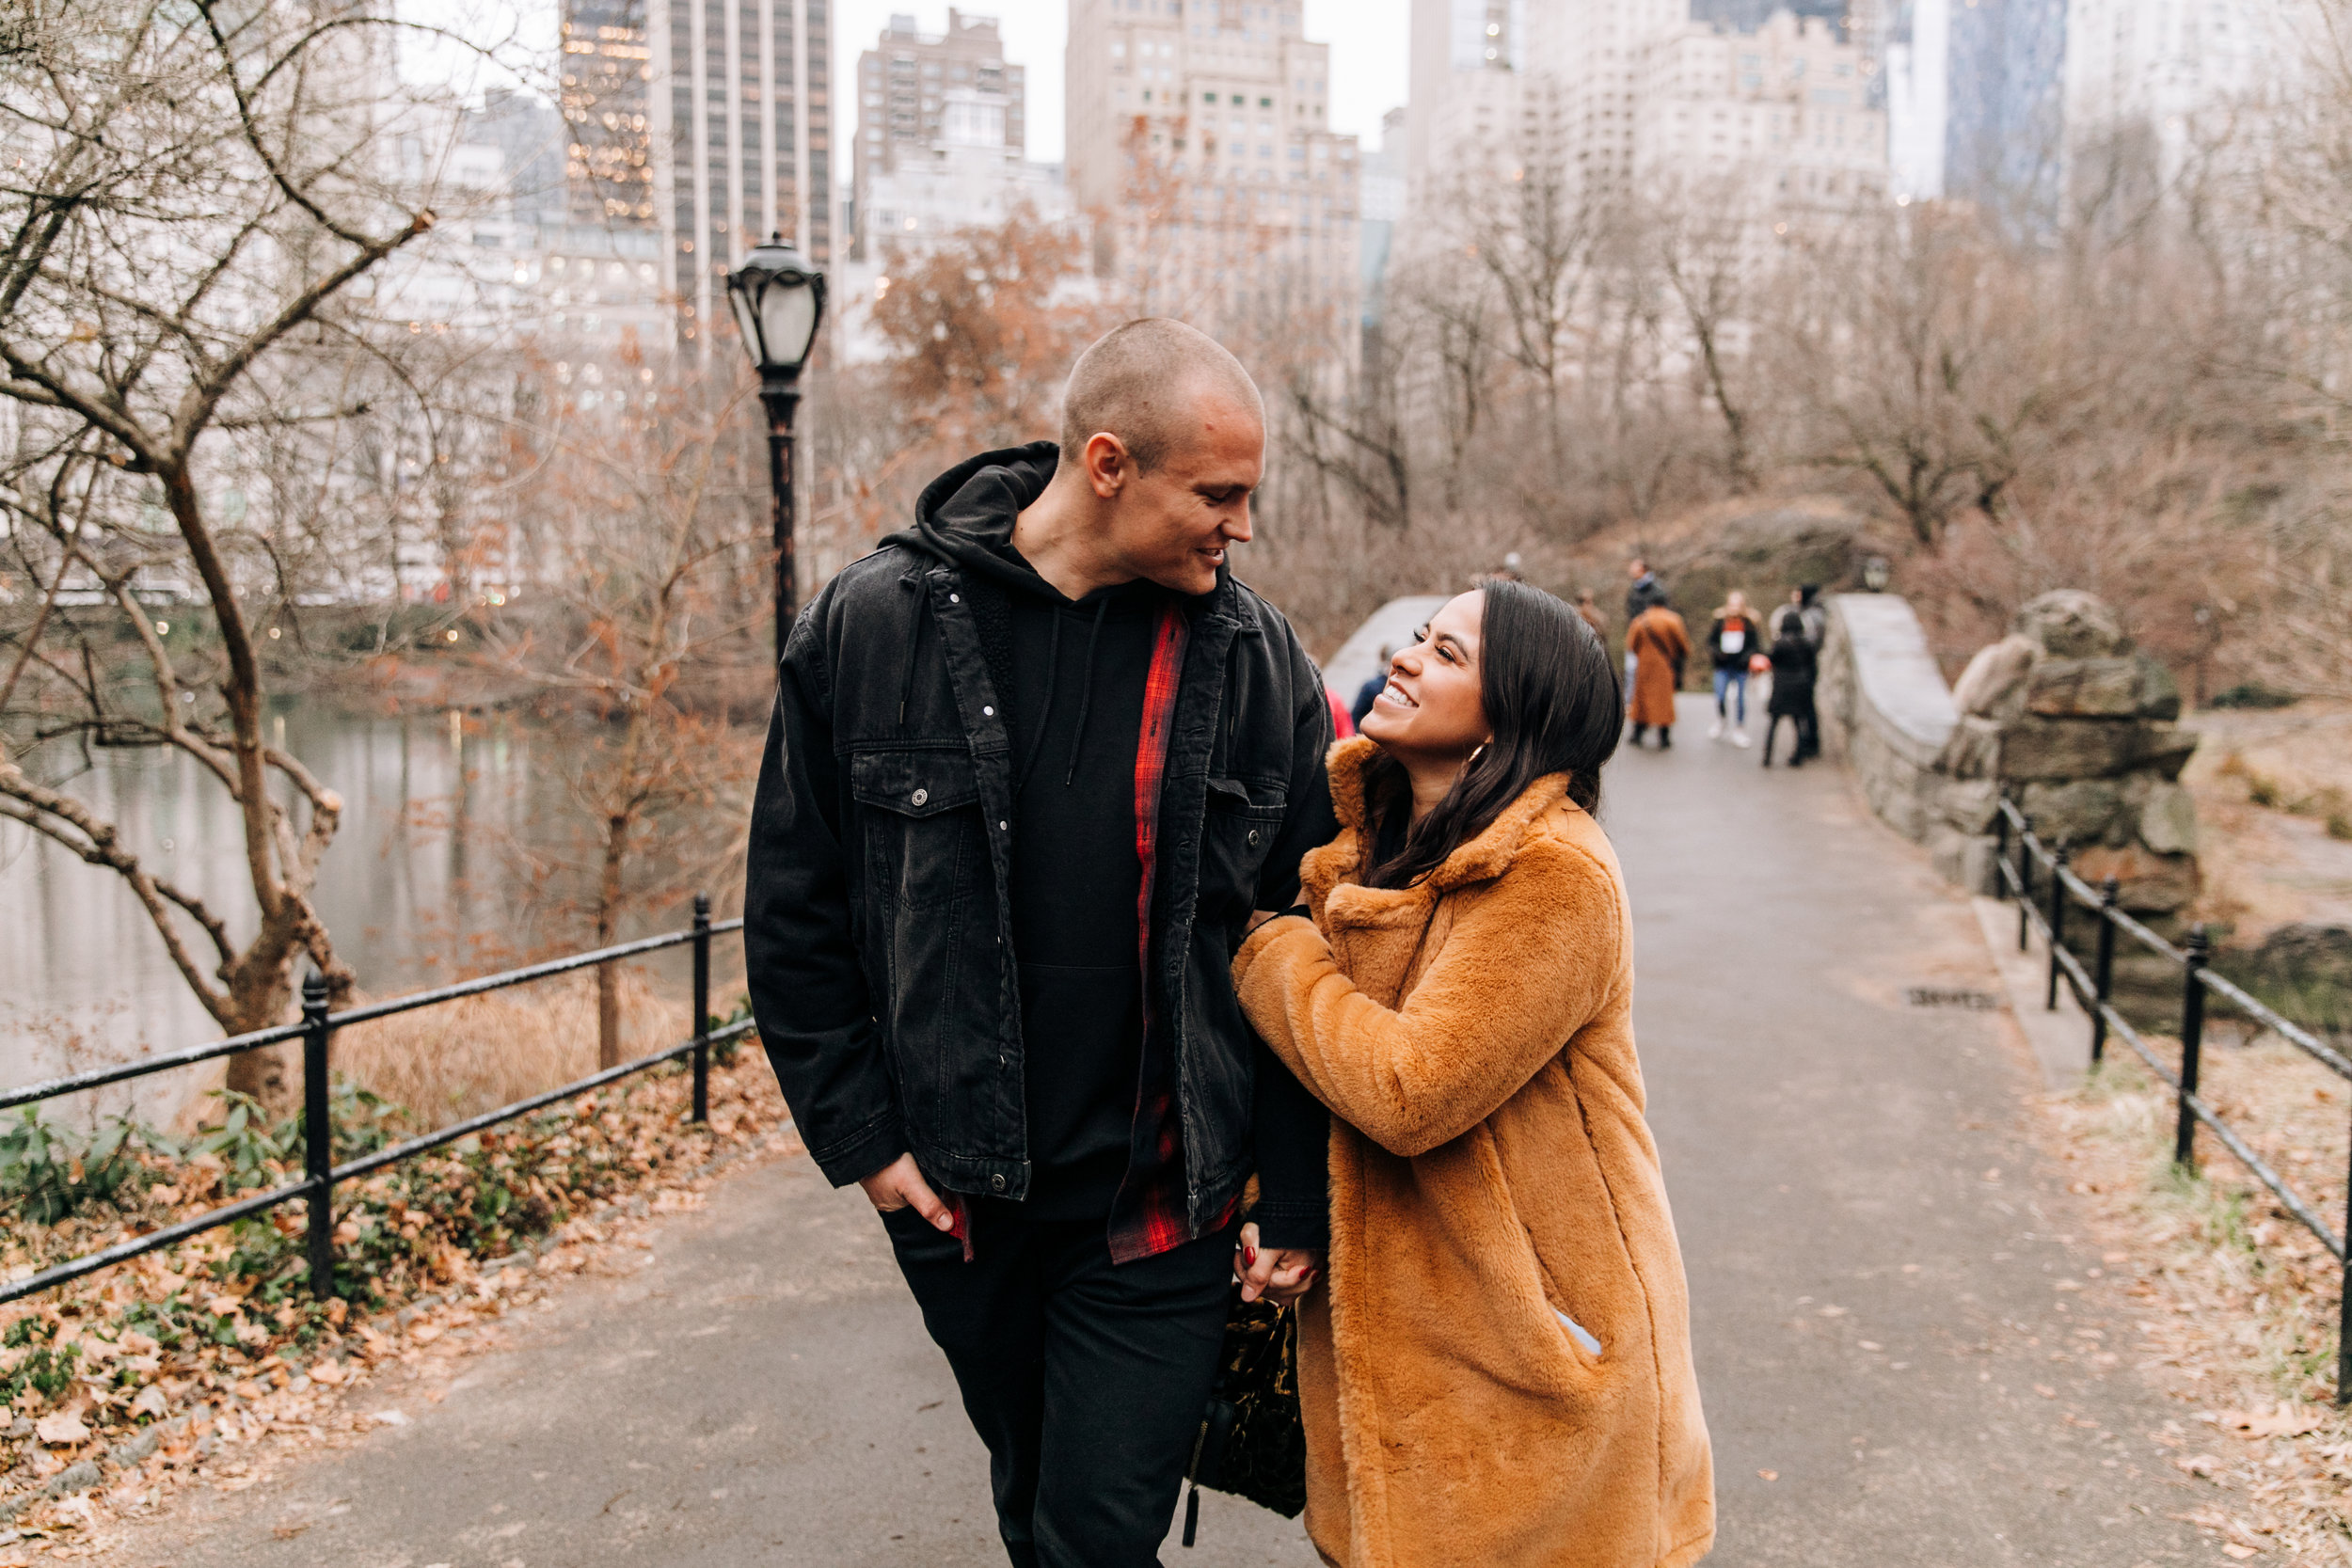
point(420, 887)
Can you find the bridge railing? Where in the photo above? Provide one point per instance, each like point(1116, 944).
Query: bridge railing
point(2045, 909)
point(316, 1031)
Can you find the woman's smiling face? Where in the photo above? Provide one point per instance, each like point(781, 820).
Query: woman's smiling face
point(1434, 706)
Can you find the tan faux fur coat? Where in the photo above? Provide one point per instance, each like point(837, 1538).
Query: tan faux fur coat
point(1489, 1169)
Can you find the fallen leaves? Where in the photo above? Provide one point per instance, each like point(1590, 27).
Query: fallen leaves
point(62, 1430)
point(2287, 1421)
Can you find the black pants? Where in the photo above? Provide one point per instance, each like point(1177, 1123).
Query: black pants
point(1087, 1381)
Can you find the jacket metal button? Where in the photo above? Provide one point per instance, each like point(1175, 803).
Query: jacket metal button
point(987, 713)
point(920, 796)
point(953, 599)
point(1253, 838)
point(996, 1183)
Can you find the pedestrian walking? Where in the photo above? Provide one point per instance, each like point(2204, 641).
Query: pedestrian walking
point(1733, 641)
point(1033, 763)
point(1644, 592)
point(1498, 1372)
point(1794, 666)
point(1660, 646)
point(1371, 688)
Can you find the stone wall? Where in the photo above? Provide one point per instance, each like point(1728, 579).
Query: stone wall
point(2062, 715)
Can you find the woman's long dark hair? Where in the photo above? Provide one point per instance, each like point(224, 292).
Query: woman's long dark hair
point(1553, 699)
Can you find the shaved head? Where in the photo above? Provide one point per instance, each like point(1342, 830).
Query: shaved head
point(1144, 383)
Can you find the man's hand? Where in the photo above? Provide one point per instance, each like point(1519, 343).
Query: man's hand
point(1280, 1274)
point(900, 1185)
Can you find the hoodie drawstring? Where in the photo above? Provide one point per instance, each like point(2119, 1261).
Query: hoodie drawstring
point(915, 645)
point(1086, 703)
point(1053, 675)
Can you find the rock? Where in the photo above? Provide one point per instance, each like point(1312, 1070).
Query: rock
point(1974, 751)
point(1993, 677)
point(2159, 693)
point(2083, 688)
point(2306, 957)
point(2068, 623)
point(78, 1477)
point(1970, 805)
point(2076, 812)
point(2150, 883)
point(2167, 820)
point(2037, 747)
point(2165, 749)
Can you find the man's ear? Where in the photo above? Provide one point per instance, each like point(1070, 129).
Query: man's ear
point(1107, 465)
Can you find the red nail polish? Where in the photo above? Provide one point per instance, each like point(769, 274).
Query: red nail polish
point(1248, 1256)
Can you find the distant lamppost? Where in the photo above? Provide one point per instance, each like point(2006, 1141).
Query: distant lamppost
point(778, 299)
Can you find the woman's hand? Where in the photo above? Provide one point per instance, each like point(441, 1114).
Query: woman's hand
point(1258, 917)
point(1279, 1275)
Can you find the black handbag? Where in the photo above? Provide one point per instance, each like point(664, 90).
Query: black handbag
point(1251, 1442)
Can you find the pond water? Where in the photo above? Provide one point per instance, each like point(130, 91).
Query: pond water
point(453, 828)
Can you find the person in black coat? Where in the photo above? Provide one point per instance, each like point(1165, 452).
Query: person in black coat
point(1794, 666)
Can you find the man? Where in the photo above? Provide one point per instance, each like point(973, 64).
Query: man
point(1374, 685)
point(1034, 761)
point(1644, 592)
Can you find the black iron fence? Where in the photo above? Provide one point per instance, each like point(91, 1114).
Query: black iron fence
point(316, 1031)
point(2045, 909)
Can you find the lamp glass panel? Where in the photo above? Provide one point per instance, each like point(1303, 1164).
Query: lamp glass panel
point(746, 321)
point(787, 310)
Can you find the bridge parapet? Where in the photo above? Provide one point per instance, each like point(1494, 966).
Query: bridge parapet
point(2062, 715)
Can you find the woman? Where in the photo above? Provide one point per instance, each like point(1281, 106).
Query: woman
point(1659, 643)
point(1794, 666)
point(1733, 639)
point(1497, 1369)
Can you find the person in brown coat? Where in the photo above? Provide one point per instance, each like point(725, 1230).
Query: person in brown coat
point(1496, 1369)
point(1660, 645)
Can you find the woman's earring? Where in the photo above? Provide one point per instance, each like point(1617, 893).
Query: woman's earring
point(1476, 752)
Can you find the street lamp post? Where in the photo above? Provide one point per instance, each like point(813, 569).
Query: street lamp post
point(779, 298)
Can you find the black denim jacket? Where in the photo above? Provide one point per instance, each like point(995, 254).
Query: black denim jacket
point(878, 929)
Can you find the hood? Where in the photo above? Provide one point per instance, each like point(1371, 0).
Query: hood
point(966, 515)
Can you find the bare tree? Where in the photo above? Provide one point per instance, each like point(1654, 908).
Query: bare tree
point(653, 531)
point(195, 190)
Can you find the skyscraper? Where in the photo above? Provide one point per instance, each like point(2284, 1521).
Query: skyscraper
point(937, 106)
point(2004, 133)
point(1198, 135)
point(738, 128)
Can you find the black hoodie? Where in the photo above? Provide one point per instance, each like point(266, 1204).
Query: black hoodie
point(1071, 674)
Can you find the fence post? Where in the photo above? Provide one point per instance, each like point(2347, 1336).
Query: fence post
point(2192, 1044)
point(318, 1136)
point(702, 1006)
point(2000, 840)
point(2025, 880)
point(2110, 892)
point(2058, 922)
point(2343, 1314)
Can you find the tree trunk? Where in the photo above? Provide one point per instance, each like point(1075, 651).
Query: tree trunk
point(608, 918)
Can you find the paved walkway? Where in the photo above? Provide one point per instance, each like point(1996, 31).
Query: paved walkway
point(1898, 1321)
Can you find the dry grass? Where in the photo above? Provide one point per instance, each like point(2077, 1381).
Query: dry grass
point(450, 1062)
point(2242, 1298)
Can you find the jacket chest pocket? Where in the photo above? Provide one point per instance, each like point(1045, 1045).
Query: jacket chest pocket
point(924, 843)
point(1237, 832)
